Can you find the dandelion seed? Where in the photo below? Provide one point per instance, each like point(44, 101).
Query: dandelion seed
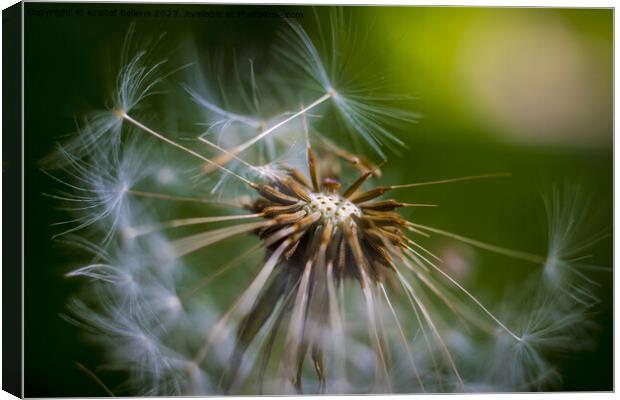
point(98, 188)
point(568, 215)
point(365, 113)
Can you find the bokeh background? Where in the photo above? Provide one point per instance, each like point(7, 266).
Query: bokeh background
point(526, 91)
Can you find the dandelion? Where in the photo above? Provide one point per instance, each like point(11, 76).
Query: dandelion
point(344, 294)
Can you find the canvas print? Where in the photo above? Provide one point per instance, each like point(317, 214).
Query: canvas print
point(284, 200)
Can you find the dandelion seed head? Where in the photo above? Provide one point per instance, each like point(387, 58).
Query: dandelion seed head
point(333, 207)
point(346, 297)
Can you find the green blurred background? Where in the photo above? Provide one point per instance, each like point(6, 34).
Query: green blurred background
point(527, 91)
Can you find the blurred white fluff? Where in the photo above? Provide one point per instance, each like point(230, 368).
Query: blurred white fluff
point(97, 187)
point(155, 369)
point(548, 331)
point(134, 310)
point(570, 217)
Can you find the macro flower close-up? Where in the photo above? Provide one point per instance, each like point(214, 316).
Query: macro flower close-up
point(288, 200)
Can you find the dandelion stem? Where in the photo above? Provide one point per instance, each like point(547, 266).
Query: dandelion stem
point(304, 122)
point(463, 178)
point(226, 267)
point(352, 239)
point(266, 132)
point(164, 196)
point(533, 258)
point(179, 146)
point(336, 324)
point(175, 223)
point(243, 303)
point(294, 337)
point(94, 377)
point(192, 243)
point(413, 298)
point(226, 152)
point(401, 332)
point(425, 336)
point(425, 278)
point(471, 296)
point(423, 249)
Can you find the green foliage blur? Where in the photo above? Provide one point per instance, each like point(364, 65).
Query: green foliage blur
point(526, 91)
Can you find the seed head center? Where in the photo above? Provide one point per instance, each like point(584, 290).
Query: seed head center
point(334, 207)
